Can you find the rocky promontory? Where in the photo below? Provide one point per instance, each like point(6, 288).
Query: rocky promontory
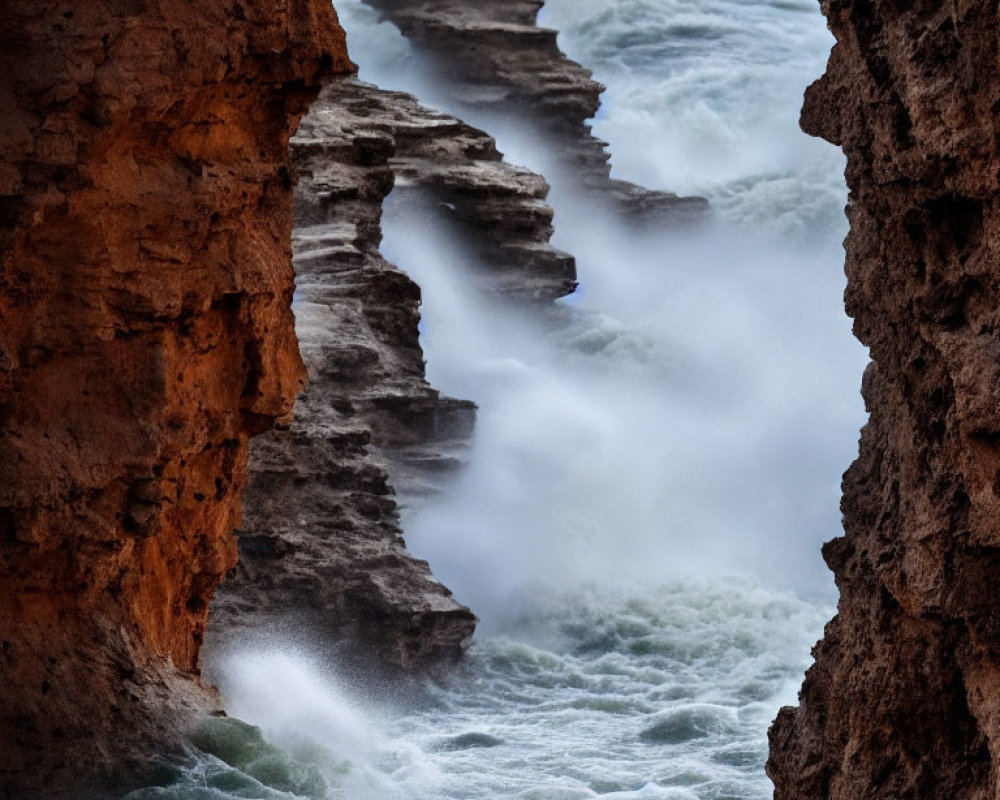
point(321, 542)
point(903, 702)
point(145, 335)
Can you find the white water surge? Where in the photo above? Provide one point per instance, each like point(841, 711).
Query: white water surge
point(656, 462)
point(703, 98)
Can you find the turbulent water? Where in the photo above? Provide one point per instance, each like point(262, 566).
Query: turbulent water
point(656, 461)
point(703, 98)
point(690, 410)
point(663, 694)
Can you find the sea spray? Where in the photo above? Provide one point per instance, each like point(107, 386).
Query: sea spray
point(675, 420)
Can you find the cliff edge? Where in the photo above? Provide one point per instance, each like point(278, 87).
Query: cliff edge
point(145, 335)
point(321, 547)
point(904, 698)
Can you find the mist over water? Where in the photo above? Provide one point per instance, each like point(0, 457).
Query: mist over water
point(658, 429)
point(689, 412)
point(656, 460)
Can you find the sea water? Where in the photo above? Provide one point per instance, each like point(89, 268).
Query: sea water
point(690, 409)
point(662, 694)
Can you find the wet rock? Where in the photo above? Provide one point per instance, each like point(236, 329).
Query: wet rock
point(470, 741)
point(322, 488)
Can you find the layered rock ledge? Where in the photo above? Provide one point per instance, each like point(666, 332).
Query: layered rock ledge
point(321, 542)
point(145, 335)
point(903, 701)
point(497, 59)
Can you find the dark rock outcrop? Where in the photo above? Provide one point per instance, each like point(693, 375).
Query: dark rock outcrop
point(496, 58)
point(903, 701)
point(145, 335)
point(321, 542)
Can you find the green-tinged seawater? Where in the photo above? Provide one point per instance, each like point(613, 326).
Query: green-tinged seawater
point(659, 695)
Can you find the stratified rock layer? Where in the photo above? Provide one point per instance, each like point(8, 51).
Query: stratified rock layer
point(904, 698)
point(321, 542)
point(496, 58)
point(145, 334)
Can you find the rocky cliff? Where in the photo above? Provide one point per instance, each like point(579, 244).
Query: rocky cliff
point(322, 554)
point(904, 698)
point(145, 335)
point(495, 59)
point(321, 542)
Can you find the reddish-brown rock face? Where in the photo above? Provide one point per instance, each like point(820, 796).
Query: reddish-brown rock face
point(904, 698)
point(145, 334)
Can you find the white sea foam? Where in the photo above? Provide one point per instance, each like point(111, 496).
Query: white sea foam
point(703, 97)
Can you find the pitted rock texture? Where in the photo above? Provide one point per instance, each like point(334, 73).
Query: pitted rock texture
point(321, 542)
point(904, 698)
point(145, 335)
point(495, 57)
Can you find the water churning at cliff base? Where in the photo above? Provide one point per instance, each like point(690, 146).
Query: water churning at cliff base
point(689, 410)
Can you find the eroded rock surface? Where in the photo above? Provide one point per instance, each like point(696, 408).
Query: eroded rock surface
point(145, 335)
point(904, 699)
point(321, 542)
point(497, 59)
